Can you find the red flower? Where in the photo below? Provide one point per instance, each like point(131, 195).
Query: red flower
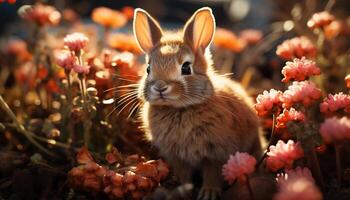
point(319, 20)
point(335, 129)
point(300, 92)
point(300, 69)
point(251, 36)
point(288, 116)
point(347, 80)
point(335, 102)
point(283, 155)
point(296, 48)
point(40, 14)
point(266, 101)
point(238, 167)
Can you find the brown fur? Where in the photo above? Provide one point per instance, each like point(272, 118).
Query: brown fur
point(204, 118)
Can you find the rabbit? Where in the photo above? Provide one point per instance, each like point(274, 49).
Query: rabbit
point(195, 117)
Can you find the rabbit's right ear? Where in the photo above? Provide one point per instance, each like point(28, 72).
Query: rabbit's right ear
point(146, 30)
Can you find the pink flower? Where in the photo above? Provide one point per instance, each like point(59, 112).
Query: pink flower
point(319, 20)
point(335, 129)
point(81, 69)
point(76, 41)
point(40, 14)
point(303, 92)
point(283, 155)
point(267, 100)
point(335, 102)
point(298, 172)
point(65, 59)
point(298, 188)
point(300, 69)
point(251, 36)
point(296, 48)
point(238, 167)
point(288, 116)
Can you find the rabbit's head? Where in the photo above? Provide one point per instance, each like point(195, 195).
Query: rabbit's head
point(178, 65)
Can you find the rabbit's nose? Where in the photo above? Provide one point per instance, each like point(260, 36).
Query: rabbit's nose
point(159, 86)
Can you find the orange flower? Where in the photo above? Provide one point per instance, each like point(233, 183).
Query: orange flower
point(108, 18)
point(347, 80)
point(333, 29)
point(128, 12)
point(228, 40)
point(124, 42)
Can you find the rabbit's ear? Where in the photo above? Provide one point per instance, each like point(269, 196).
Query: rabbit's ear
point(146, 30)
point(199, 29)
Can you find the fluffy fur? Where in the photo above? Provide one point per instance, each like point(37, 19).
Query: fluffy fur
point(201, 118)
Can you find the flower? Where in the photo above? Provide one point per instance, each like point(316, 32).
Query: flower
point(65, 60)
point(40, 14)
point(333, 29)
point(283, 155)
point(128, 11)
point(347, 80)
point(320, 19)
point(296, 48)
point(335, 129)
point(267, 100)
point(251, 36)
point(226, 39)
point(303, 92)
point(300, 69)
point(76, 41)
point(18, 48)
point(295, 173)
point(335, 102)
point(301, 188)
point(81, 69)
point(287, 116)
point(124, 42)
point(108, 18)
point(238, 167)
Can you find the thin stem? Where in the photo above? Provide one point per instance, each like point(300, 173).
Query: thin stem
point(272, 138)
point(20, 128)
point(338, 163)
point(315, 166)
point(251, 194)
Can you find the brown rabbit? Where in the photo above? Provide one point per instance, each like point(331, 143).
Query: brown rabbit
point(195, 117)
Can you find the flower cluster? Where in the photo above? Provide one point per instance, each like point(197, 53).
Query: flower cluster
point(300, 69)
point(239, 166)
point(297, 47)
point(40, 14)
point(319, 20)
point(133, 182)
point(267, 101)
point(304, 92)
point(288, 116)
point(283, 155)
point(334, 103)
point(335, 129)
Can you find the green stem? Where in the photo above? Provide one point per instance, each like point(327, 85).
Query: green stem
point(20, 128)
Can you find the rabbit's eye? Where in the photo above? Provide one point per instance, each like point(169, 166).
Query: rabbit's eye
point(186, 68)
point(148, 68)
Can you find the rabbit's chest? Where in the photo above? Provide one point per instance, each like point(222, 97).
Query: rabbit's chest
point(185, 135)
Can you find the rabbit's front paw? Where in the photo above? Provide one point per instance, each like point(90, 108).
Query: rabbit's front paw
point(209, 193)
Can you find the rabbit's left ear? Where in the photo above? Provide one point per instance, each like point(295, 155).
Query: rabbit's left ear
point(199, 29)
